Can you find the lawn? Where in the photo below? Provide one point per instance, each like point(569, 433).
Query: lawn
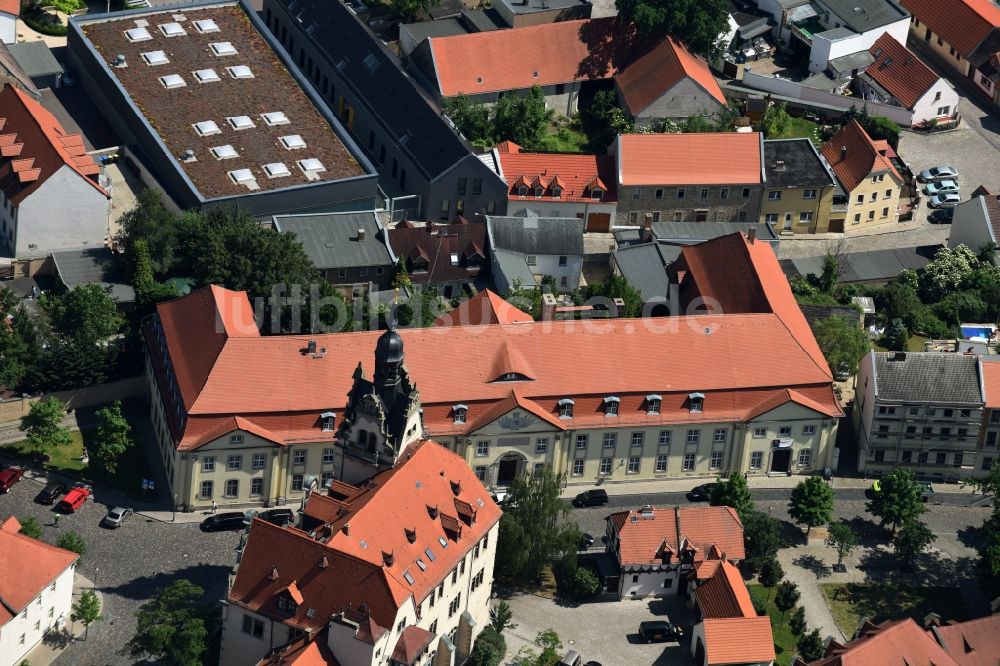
point(132, 466)
point(784, 639)
point(565, 135)
point(914, 344)
point(801, 127)
point(853, 602)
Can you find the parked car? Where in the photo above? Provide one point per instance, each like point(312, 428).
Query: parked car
point(942, 216)
point(701, 493)
point(595, 497)
point(938, 173)
point(586, 541)
point(277, 516)
point(8, 477)
point(232, 520)
point(74, 499)
point(659, 631)
point(116, 517)
point(945, 200)
point(942, 187)
point(51, 492)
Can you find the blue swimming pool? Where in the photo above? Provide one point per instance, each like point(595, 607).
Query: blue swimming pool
point(976, 332)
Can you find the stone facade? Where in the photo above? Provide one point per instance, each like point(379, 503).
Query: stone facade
point(690, 203)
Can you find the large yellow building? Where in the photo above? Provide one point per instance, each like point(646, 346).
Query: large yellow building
point(798, 188)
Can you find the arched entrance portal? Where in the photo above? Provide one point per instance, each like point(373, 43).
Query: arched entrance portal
point(507, 467)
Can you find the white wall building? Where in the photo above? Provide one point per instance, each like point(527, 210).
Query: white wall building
point(9, 11)
point(527, 249)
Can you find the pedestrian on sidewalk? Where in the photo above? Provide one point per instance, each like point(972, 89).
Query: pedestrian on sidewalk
point(215, 507)
point(55, 521)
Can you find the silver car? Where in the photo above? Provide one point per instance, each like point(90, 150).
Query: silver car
point(938, 173)
point(945, 200)
point(116, 517)
point(941, 187)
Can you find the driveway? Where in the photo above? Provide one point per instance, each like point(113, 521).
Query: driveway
point(604, 631)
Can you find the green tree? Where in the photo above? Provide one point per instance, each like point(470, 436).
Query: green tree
point(86, 610)
point(19, 347)
point(946, 272)
point(501, 616)
point(524, 119)
point(171, 627)
point(151, 222)
point(771, 573)
point(775, 121)
point(762, 539)
point(114, 436)
point(988, 486)
point(408, 10)
point(842, 538)
point(604, 120)
point(734, 492)
point(797, 621)
point(143, 279)
point(31, 528)
point(43, 425)
point(401, 278)
point(72, 542)
point(549, 640)
point(811, 503)
point(471, 119)
point(912, 539)
point(787, 596)
point(843, 343)
point(534, 530)
point(897, 338)
point(898, 300)
point(488, 650)
point(899, 499)
point(584, 584)
point(697, 23)
point(880, 127)
point(616, 286)
point(811, 646)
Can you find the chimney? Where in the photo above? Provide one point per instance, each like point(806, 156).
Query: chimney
point(361, 234)
point(311, 347)
point(647, 228)
point(388, 558)
point(752, 234)
point(899, 356)
point(548, 306)
point(430, 227)
point(779, 165)
point(346, 529)
point(843, 153)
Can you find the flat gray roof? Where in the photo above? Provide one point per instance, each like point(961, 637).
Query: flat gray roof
point(35, 58)
point(441, 28)
point(331, 241)
point(688, 233)
point(865, 15)
point(852, 61)
point(532, 6)
point(514, 267)
point(869, 266)
point(94, 265)
point(836, 33)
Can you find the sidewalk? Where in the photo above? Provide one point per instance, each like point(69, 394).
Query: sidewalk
point(55, 642)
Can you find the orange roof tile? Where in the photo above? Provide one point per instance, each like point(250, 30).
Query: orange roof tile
point(972, 643)
point(899, 71)
point(725, 594)
point(892, 643)
point(576, 172)
point(962, 23)
point(991, 384)
point(740, 640)
point(44, 141)
point(11, 7)
point(727, 158)
point(306, 651)
point(520, 58)
point(643, 540)
point(861, 158)
point(650, 75)
point(27, 566)
point(411, 644)
point(486, 307)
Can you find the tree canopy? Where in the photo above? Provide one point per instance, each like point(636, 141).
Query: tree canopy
point(842, 341)
point(43, 425)
point(912, 539)
point(696, 23)
point(616, 286)
point(523, 119)
point(811, 503)
point(114, 436)
point(898, 500)
point(734, 492)
point(604, 119)
point(762, 538)
point(842, 538)
point(171, 627)
point(86, 610)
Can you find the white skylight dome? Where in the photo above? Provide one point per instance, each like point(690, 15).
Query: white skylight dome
point(292, 142)
point(273, 118)
point(206, 128)
point(240, 72)
point(155, 58)
point(276, 170)
point(240, 122)
point(223, 48)
point(172, 29)
point(205, 75)
point(225, 152)
point(171, 81)
point(138, 35)
point(206, 25)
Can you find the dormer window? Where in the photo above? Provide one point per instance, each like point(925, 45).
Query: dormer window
point(538, 191)
point(460, 412)
point(695, 402)
point(596, 194)
point(327, 420)
point(556, 192)
point(565, 408)
point(653, 404)
point(286, 604)
point(522, 191)
point(611, 404)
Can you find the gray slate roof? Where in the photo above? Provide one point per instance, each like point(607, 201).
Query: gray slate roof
point(94, 265)
point(441, 28)
point(928, 377)
point(871, 266)
point(514, 267)
point(688, 233)
point(537, 235)
point(35, 58)
point(10, 67)
point(331, 240)
point(802, 164)
point(644, 266)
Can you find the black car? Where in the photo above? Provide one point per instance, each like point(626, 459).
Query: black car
point(223, 521)
point(659, 631)
point(942, 216)
point(586, 541)
point(51, 492)
point(702, 493)
point(277, 516)
point(596, 497)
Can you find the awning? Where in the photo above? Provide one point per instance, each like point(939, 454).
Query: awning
point(784, 443)
point(756, 31)
point(802, 12)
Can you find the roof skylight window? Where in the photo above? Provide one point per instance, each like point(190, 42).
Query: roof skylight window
point(408, 576)
point(205, 75)
point(240, 72)
point(421, 564)
point(206, 128)
point(276, 170)
point(171, 81)
point(206, 25)
point(172, 30)
point(273, 118)
point(225, 152)
point(240, 122)
point(292, 142)
point(138, 35)
point(311, 164)
point(242, 176)
point(155, 58)
point(223, 48)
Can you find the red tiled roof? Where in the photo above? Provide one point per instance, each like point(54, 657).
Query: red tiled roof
point(724, 594)
point(486, 307)
point(27, 566)
point(576, 173)
point(302, 652)
point(726, 158)
point(860, 161)
point(411, 644)
point(644, 540)
point(892, 643)
point(741, 640)
point(899, 71)
point(11, 7)
point(962, 23)
point(658, 69)
point(972, 643)
point(41, 146)
point(435, 243)
point(543, 55)
point(991, 384)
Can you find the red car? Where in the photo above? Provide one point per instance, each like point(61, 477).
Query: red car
point(74, 499)
point(9, 477)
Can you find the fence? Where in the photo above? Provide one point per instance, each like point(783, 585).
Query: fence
point(806, 95)
point(89, 396)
